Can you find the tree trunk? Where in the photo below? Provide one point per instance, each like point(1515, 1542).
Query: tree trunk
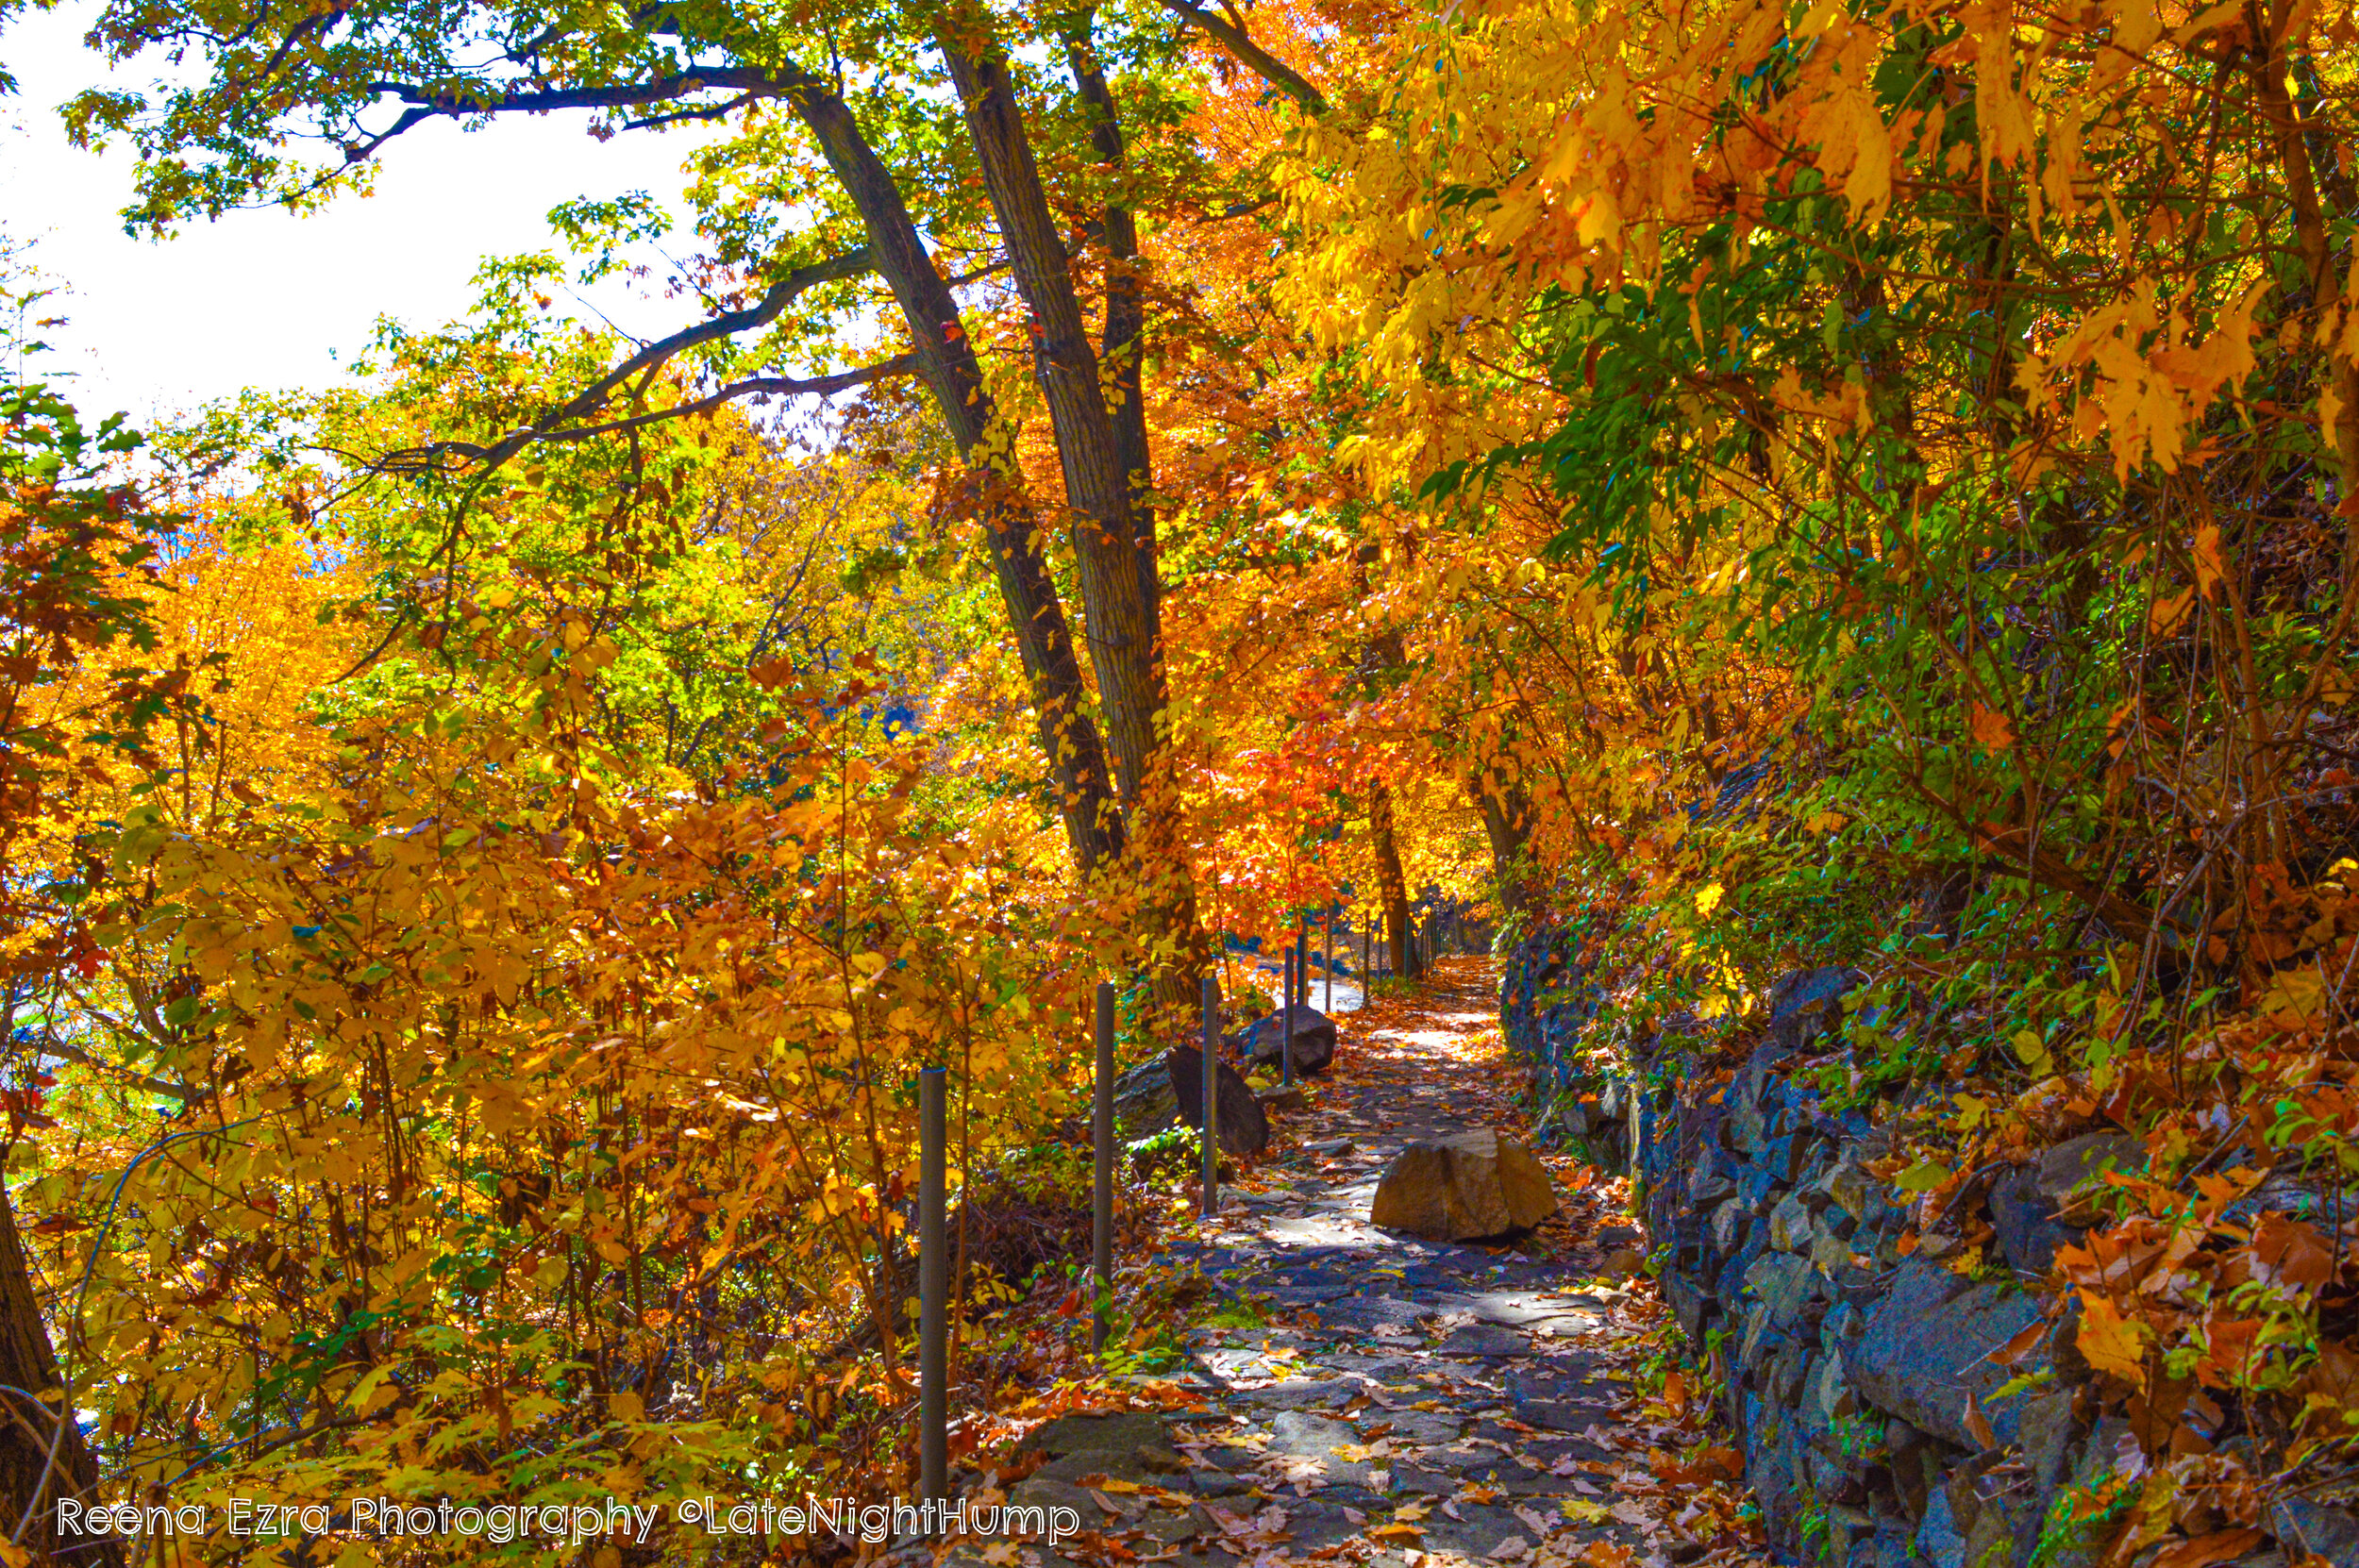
point(1105, 475)
point(1124, 344)
point(28, 1481)
point(1067, 734)
point(1507, 821)
point(1104, 532)
point(1391, 885)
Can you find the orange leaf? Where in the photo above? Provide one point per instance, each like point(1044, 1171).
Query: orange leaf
point(2020, 1346)
point(2204, 1550)
point(2289, 1252)
point(1976, 1423)
point(2113, 1344)
point(1989, 726)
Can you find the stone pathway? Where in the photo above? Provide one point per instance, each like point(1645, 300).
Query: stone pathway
point(1373, 1396)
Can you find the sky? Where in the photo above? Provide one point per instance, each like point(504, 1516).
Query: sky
point(265, 298)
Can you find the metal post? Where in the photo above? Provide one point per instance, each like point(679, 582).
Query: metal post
point(1330, 963)
point(1286, 1033)
point(933, 1291)
point(1102, 1194)
point(1368, 960)
point(1210, 1139)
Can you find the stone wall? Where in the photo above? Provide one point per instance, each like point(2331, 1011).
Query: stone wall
point(1888, 1411)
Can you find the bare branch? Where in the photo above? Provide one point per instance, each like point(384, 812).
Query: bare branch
point(516, 440)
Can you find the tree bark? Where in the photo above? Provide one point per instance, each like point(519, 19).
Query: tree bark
point(1119, 625)
point(1104, 473)
point(28, 1481)
point(1391, 885)
point(1507, 822)
point(1068, 736)
point(1124, 344)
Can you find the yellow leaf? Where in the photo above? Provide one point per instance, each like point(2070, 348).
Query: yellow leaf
point(1708, 898)
point(2299, 992)
point(1923, 1176)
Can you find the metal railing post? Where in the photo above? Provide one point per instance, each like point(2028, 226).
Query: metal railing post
point(1286, 1040)
point(933, 1289)
point(1210, 1139)
point(1102, 1191)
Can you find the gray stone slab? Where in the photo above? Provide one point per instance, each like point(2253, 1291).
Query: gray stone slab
point(1485, 1339)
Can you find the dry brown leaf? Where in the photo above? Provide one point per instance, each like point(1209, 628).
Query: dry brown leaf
point(2204, 1550)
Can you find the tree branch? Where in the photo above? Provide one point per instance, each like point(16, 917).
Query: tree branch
point(516, 440)
point(728, 324)
point(1251, 55)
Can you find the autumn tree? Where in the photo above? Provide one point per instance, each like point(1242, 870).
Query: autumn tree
point(843, 116)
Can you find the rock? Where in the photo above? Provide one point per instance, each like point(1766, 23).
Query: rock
point(1075, 1434)
point(1847, 1187)
point(1145, 1103)
point(1277, 1098)
point(1807, 1005)
point(1728, 1224)
point(2301, 1526)
point(1829, 1253)
point(1827, 1402)
point(1314, 1041)
point(1780, 1282)
point(1938, 1541)
point(1927, 1349)
point(1369, 1313)
point(1301, 1394)
point(1478, 1183)
point(1310, 1436)
point(1243, 1128)
point(2025, 1220)
point(2025, 1202)
point(2079, 1160)
point(1130, 1445)
point(2284, 1194)
point(1688, 1304)
point(1789, 1224)
point(1483, 1339)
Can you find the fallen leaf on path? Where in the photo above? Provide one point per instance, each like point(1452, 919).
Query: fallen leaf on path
point(1511, 1548)
point(2204, 1550)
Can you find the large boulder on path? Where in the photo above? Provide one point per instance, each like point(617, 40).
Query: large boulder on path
point(1477, 1183)
point(1244, 1127)
point(1314, 1041)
